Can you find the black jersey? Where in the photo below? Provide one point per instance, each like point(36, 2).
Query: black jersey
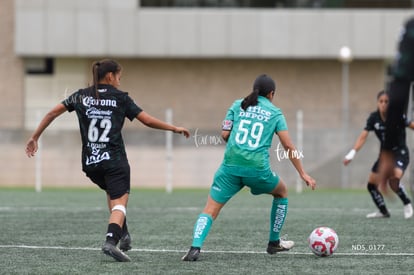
point(403, 66)
point(100, 122)
point(398, 89)
point(376, 124)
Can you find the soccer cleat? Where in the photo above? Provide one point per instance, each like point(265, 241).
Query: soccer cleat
point(279, 246)
point(125, 242)
point(192, 254)
point(113, 251)
point(408, 211)
point(377, 215)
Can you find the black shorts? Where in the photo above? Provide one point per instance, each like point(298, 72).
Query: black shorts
point(115, 181)
point(402, 159)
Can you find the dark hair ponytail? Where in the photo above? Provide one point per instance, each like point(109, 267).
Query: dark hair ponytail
point(100, 69)
point(262, 86)
point(95, 68)
point(250, 100)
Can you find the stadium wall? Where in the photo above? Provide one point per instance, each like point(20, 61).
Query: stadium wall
point(197, 67)
point(122, 28)
point(199, 93)
point(11, 72)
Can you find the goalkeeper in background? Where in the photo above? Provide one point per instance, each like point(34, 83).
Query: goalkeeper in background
point(376, 123)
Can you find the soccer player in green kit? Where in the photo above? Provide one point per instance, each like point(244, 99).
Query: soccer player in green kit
point(248, 129)
point(101, 110)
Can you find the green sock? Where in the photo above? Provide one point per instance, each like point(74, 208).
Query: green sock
point(201, 229)
point(277, 217)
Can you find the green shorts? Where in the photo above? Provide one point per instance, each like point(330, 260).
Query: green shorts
point(230, 180)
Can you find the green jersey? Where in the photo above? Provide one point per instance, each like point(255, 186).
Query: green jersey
point(100, 122)
point(252, 131)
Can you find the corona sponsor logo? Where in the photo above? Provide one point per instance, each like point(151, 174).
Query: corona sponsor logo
point(90, 101)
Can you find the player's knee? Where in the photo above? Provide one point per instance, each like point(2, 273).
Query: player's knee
point(394, 184)
point(280, 191)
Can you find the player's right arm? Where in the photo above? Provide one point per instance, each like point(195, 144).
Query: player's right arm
point(31, 145)
point(225, 135)
point(227, 124)
point(357, 146)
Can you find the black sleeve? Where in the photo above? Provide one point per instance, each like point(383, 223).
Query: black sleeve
point(132, 109)
point(404, 64)
point(71, 100)
point(370, 122)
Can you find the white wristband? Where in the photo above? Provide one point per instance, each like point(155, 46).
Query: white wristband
point(350, 155)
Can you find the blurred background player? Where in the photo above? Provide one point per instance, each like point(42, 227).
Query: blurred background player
point(398, 88)
point(376, 123)
point(248, 129)
point(101, 111)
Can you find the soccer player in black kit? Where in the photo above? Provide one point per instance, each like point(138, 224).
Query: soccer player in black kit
point(376, 123)
point(101, 110)
point(398, 88)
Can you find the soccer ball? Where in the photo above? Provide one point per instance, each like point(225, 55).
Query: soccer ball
point(323, 241)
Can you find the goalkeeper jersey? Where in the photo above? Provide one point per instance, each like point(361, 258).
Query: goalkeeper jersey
point(252, 133)
point(100, 122)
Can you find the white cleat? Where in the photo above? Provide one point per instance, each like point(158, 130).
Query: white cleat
point(377, 215)
point(408, 211)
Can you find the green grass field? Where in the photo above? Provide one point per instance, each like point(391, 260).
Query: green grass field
point(60, 231)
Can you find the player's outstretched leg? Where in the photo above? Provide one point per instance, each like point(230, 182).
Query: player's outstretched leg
point(200, 232)
point(399, 189)
point(379, 202)
point(112, 238)
point(277, 219)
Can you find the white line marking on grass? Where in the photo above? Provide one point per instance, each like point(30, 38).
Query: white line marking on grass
point(96, 208)
point(48, 247)
point(49, 209)
point(172, 209)
point(203, 251)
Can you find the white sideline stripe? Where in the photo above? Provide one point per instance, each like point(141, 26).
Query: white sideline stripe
point(175, 209)
point(203, 251)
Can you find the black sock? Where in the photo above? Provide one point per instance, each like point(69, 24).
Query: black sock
point(403, 196)
point(114, 233)
point(125, 228)
point(377, 198)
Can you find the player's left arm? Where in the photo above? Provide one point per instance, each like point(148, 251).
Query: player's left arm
point(155, 123)
point(31, 145)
